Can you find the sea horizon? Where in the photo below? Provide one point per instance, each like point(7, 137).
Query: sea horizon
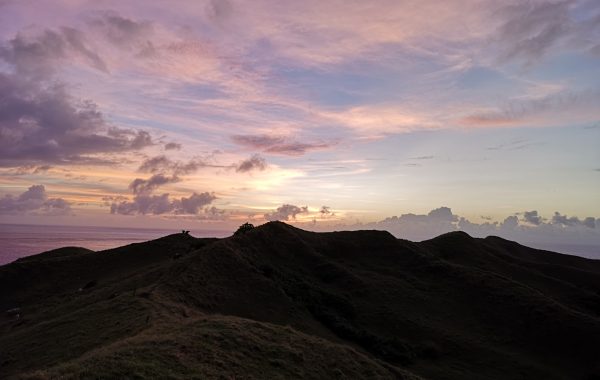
point(22, 240)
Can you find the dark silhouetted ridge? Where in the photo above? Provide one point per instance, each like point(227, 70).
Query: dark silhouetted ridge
point(278, 301)
point(56, 254)
point(454, 240)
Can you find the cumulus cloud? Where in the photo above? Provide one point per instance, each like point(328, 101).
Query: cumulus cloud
point(137, 139)
point(33, 201)
point(278, 144)
point(418, 227)
point(145, 202)
point(510, 222)
point(326, 211)
point(285, 212)
point(163, 204)
point(441, 220)
point(442, 213)
point(214, 213)
point(39, 120)
point(564, 220)
point(255, 162)
point(43, 124)
point(532, 217)
point(560, 233)
point(590, 222)
point(193, 204)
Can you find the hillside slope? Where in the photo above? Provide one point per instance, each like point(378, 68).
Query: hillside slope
point(278, 301)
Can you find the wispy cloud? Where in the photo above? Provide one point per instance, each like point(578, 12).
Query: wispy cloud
point(38, 56)
point(125, 88)
point(279, 144)
point(552, 110)
point(530, 29)
point(163, 164)
point(255, 162)
point(147, 186)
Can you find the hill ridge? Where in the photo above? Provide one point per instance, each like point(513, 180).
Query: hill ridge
point(451, 307)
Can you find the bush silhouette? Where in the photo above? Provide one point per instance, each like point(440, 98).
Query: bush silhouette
point(244, 228)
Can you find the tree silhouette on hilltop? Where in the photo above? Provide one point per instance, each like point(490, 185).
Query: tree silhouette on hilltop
point(244, 228)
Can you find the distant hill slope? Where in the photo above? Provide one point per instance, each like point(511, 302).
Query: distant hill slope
point(280, 302)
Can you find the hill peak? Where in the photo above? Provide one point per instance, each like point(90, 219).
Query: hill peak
point(274, 227)
point(453, 236)
point(276, 224)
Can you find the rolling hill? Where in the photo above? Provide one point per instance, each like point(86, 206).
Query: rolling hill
point(280, 302)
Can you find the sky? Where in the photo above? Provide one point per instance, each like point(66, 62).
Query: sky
point(418, 117)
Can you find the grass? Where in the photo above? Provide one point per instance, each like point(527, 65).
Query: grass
point(220, 347)
point(279, 302)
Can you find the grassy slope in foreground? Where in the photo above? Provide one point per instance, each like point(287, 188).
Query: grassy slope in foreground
point(279, 301)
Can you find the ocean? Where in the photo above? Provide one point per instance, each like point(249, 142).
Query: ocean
point(18, 240)
point(583, 250)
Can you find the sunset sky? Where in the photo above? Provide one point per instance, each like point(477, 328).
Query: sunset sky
point(207, 114)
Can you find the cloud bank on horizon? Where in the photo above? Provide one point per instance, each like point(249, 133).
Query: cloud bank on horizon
point(217, 112)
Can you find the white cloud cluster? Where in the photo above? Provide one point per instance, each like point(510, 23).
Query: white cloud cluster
point(526, 227)
point(163, 204)
point(286, 212)
point(33, 201)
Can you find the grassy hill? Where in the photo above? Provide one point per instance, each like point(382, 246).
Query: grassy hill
point(280, 302)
